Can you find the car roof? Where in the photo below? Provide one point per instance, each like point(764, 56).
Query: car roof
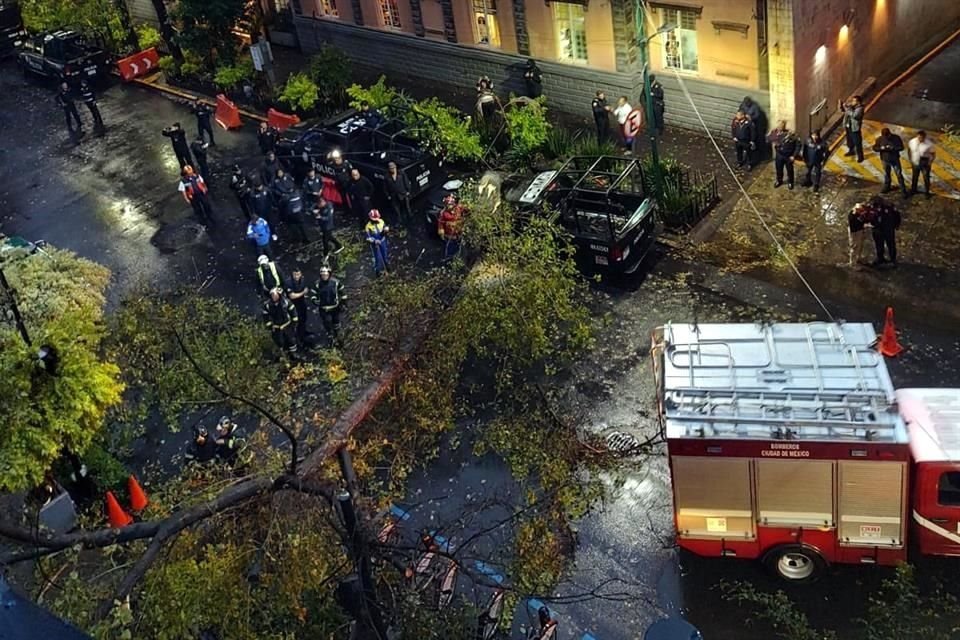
point(933, 419)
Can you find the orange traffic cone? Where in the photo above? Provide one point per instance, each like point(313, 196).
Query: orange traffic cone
point(115, 513)
point(138, 499)
point(888, 344)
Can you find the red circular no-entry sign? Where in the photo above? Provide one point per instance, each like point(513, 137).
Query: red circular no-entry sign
point(633, 123)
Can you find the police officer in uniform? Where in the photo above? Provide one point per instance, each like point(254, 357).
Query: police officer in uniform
point(90, 99)
point(241, 189)
point(267, 137)
point(65, 102)
point(533, 78)
point(742, 131)
point(601, 116)
point(815, 153)
point(311, 188)
point(659, 103)
point(199, 148)
point(296, 216)
point(178, 138)
point(785, 149)
point(297, 292)
point(281, 318)
point(323, 214)
point(263, 206)
point(204, 113)
point(283, 187)
point(268, 169)
point(268, 274)
point(329, 297)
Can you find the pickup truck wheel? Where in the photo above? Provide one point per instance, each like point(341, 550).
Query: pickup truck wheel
point(795, 563)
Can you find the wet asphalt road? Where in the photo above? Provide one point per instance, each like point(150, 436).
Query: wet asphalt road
point(114, 200)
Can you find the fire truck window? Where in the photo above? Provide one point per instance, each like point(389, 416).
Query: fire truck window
point(948, 490)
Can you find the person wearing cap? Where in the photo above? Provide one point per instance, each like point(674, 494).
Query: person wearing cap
point(376, 233)
point(194, 191)
point(282, 320)
point(323, 214)
point(204, 114)
point(178, 138)
point(268, 274)
point(258, 233)
point(297, 292)
point(241, 189)
point(329, 297)
point(857, 220)
point(199, 149)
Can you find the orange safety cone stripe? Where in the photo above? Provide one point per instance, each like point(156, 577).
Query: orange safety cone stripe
point(138, 499)
point(115, 514)
point(888, 344)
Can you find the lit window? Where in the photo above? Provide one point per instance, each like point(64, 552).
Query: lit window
point(680, 45)
point(485, 21)
point(390, 12)
point(571, 32)
point(328, 8)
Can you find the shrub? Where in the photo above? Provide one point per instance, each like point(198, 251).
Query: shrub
point(588, 146)
point(447, 132)
point(169, 65)
point(147, 36)
point(190, 69)
point(379, 95)
point(527, 127)
point(330, 69)
point(300, 92)
point(232, 76)
point(560, 143)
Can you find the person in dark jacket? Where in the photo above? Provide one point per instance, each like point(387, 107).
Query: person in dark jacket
point(199, 148)
point(533, 79)
point(889, 145)
point(282, 320)
point(885, 224)
point(268, 169)
point(204, 115)
point(65, 100)
point(329, 297)
point(194, 191)
point(397, 187)
point(240, 186)
point(323, 214)
point(371, 117)
point(269, 274)
point(263, 206)
point(89, 98)
point(601, 116)
point(360, 190)
point(267, 137)
point(852, 125)
point(857, 220)
point(659, 103)
point(815, 152)
point(341, 169)
point(282, 188)
point(297, 292)
point(752, 110)
point(295, 216)
point(786, 147)
point(312, 188)
point(178, 139)
point(742, 131)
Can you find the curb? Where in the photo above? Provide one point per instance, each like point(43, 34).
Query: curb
point(166, 89)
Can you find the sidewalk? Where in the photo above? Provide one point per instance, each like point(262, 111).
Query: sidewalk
point(925, 288)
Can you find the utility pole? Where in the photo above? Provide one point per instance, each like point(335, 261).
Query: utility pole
point(644, 43)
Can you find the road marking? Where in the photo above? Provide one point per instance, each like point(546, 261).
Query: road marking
point(398, 512)
point(945, 173)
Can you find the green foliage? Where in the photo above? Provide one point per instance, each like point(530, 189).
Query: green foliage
point(102, 21)
point(300, 92)
point(232, 76)
point(951, 136)
point(560, 143)
point(225, 342)
point(445, 130)
point(379, 95)
point(61, 297)
point(330, 69)
point(901, 610)
point(147, 36)
point(775, 609)
point(589, 146)
point(206, 27)
point(105, 469)
point(527, 128)
point(168, 64)
point(189, 68)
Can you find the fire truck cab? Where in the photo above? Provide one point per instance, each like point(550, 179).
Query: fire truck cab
point(787, 443)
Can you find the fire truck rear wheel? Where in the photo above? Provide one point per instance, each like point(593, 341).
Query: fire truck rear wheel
point(795, 563)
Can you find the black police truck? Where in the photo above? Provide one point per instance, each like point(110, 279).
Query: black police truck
point(12, 33)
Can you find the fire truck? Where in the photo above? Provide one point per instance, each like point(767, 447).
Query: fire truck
point(788, 444)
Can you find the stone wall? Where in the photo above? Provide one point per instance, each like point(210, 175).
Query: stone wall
point(882, 38)
point(142, 11)
point(407, 60)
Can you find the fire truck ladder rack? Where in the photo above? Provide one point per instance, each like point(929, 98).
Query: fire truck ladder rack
point(807, 386)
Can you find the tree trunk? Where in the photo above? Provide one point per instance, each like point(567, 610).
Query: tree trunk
point(166, 30)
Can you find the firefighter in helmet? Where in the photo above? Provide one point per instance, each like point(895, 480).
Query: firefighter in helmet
point(329, 297)
point(281, 318)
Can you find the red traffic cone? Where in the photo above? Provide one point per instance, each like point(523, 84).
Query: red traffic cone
point(115, 514)
point(138, 499)
point(888, 344)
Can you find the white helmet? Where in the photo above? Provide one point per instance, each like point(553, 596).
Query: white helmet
point(263, 260)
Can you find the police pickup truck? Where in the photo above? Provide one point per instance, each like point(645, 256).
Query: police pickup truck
point(62, 55)
point(369, 150)
point(12, 33)
point(602, 204)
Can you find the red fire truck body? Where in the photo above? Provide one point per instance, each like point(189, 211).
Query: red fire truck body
point(787, 443)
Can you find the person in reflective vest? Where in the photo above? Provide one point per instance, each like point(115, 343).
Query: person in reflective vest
point(450, 226)
point(329, 297)
point(194, 191)
point(269, 275)
point(376, 231)
point(281, 318)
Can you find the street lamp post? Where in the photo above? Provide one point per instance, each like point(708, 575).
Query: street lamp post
point(643, 42)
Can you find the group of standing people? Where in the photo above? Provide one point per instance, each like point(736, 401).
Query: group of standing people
point(622, 110)
point(67, 98)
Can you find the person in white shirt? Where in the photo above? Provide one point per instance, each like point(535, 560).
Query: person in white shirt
point(621, 112)
point(922, 154)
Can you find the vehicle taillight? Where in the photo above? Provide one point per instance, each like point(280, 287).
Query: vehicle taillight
point(616, 253)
